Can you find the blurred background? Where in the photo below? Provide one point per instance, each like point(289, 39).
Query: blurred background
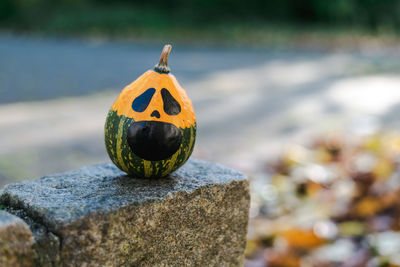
point(301, 95)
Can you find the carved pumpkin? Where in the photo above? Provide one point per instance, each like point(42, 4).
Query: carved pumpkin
point(150, 129)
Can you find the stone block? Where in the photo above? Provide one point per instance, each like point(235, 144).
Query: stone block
point(15, 241)
point(197, 216)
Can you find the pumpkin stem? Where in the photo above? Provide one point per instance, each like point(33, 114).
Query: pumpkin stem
point(162, 66)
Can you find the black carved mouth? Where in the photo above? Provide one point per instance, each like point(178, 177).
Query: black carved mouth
point(154, 140)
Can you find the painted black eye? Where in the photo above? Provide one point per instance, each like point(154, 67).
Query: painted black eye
point(141, 102)
point(171, 106)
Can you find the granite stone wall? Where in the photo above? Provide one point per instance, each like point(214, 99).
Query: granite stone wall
point(97, 215)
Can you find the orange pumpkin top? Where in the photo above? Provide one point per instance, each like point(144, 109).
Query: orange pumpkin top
point(156, 88)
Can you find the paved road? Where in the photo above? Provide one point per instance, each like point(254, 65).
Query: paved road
point(249, 103)
point(38, 69)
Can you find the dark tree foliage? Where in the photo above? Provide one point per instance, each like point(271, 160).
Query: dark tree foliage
point(8, 9)
point(369, 14)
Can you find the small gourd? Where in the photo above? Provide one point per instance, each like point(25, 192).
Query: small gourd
point(150, 129)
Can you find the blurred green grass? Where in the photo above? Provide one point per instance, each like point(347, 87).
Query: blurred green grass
point(220, 21)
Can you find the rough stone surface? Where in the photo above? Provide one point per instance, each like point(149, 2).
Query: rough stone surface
point(15, 241)
point(45, 244)
point(196, 217)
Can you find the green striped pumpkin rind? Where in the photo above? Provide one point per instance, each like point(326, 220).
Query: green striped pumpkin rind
point(120, 153)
